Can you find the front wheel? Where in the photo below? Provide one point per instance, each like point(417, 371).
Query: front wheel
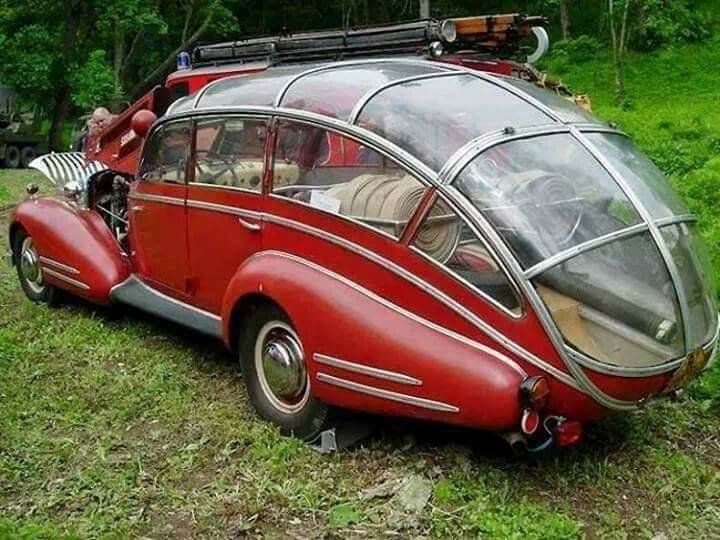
point(27, 263)
point(26, 156)
point(12, 157)
point(275, 371)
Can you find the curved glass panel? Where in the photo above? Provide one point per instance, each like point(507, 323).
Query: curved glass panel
point(334, 92)
point(181, 105)
point(564, 108)
point(696, 279)
point(253, 89)
point(446, 239)
point(616, 304)
point(544, 195)
point(644, 178)
point(433, 118)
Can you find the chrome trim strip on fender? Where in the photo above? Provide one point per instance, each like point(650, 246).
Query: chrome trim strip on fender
point(60, 266)
point(68, 280)
point(363, 369)
point(381, 393)
point(176, 201)
point(133, 291)
point(402, 311)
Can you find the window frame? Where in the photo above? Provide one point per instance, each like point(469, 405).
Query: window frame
point(269, 138)
point(277, 119)
point(158, 132)
point(420, 219)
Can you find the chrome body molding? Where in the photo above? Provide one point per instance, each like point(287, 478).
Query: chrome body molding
point(410, 315)
point(134, 292)
point(224, 209)
point(62, 277)
point(176, 201)
point(672, 220)
point(363, 369)
point(381, 393)
point(47, 261)
point(224, 188)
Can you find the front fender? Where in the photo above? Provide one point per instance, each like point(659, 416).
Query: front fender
point(417, 369)
point(78, 252)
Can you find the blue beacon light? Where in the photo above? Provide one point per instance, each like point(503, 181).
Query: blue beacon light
point(183, 60)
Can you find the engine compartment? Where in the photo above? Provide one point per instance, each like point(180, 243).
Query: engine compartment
point(108, 195)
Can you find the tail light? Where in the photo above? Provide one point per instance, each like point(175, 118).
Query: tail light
point(534, 392)
point(568, 432)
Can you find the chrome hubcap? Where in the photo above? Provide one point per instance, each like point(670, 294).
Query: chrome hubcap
point(280, 365)
point(30, 266)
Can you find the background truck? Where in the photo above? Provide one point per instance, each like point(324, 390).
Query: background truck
point(20, 138)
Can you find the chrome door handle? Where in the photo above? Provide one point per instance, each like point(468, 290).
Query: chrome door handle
point(254, 227)
point(138, 208)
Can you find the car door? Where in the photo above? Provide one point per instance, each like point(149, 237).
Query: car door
point(224, 203)
point(158, 216)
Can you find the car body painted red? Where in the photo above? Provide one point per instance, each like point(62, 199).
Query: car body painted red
point(356, 256)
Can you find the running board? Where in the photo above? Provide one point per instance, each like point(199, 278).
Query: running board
point(134, 292)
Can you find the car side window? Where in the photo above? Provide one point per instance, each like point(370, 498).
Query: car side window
point(342, 176)
point(448, 240)
point(230, 152)
point(166, 154)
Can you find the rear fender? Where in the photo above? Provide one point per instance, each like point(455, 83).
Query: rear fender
point(365, 353)
point(78, 252)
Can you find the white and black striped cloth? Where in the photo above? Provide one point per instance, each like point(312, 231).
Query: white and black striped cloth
point(65, 167)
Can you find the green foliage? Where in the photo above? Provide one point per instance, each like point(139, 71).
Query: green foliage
point(93, 83)
point(669, 22)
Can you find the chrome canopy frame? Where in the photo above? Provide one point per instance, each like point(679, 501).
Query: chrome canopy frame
point(443, 179)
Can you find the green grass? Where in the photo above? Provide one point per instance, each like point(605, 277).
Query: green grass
point(116, 425)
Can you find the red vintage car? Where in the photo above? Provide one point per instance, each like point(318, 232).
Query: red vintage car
point(394, 235)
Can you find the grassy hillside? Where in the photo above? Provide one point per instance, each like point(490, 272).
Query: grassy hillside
point(673, 113)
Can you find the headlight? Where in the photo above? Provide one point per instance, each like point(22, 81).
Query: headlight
point(448, 31)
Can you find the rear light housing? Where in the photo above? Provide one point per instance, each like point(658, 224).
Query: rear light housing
point(567, 433)
point(534, 392)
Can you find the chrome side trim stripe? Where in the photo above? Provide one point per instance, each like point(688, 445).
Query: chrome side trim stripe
point(203, 205)
point(369, 294)
point(60, 266)
point(672, 220)
point(68, 280)
point(563, 256)
point(387, 394)
point(177, 201)
point(363, 369)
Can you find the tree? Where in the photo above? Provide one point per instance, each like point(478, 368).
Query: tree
point(619, 39)
point(564, 19)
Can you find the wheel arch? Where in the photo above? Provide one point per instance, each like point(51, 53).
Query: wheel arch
point(241, 310)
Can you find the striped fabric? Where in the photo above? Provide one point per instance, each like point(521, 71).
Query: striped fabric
point(67, 167)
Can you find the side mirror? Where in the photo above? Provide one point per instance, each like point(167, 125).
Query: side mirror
point(142, 121)
point(72, 191)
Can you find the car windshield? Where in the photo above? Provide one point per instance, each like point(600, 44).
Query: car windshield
point(591, 257)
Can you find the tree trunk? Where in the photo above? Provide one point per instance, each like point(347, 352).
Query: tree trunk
point(60, 112)
point(118, 56)
point(424, 9)
point(565, 19)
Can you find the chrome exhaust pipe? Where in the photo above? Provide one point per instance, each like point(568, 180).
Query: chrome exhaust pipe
point(517, 442)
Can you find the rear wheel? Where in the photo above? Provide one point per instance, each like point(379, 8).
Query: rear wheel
point(26, 156)
point(27, 263)
point(12, 157)
point(275, 372)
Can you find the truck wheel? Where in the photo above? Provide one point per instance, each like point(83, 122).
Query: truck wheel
point(275, 372)
point(27, 154)
point(12, 157)
point(27, 263)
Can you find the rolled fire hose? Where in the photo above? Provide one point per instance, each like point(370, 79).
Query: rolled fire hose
point(390, 201)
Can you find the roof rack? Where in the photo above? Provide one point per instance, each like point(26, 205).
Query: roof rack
point(500, 35)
